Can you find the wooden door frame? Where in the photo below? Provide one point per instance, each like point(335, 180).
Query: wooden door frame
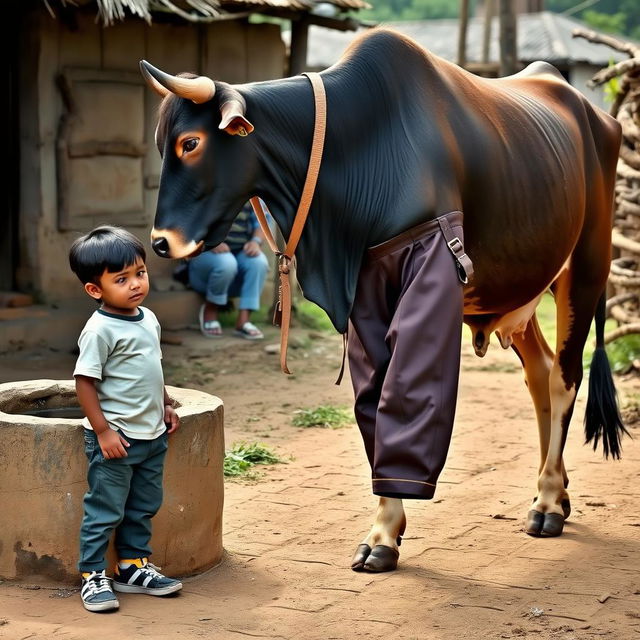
point(9, 238)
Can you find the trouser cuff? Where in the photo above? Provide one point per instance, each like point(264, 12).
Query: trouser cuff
point(403, 488)
point(132, 553)
point(88, 567)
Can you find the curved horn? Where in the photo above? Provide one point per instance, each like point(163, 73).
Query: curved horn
point(198, 90)
point(152, 82)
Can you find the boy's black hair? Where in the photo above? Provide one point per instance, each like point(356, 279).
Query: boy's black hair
point(106, 247)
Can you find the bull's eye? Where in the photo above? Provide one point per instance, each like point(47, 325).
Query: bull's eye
point(190, 145)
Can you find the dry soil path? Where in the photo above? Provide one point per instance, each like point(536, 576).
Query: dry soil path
point(467, 570)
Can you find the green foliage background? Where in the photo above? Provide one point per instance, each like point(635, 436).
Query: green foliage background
point(612, 16)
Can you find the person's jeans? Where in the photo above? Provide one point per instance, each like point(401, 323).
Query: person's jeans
point(124, 494)
point(220, 276)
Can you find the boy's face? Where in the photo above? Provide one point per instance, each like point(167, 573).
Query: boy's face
point(121, 291)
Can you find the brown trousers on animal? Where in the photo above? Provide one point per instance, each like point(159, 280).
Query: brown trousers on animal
point(404, 357)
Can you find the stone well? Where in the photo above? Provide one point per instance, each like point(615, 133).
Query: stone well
point(43, 480)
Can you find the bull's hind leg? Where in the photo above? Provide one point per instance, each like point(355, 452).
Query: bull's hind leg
point(537, 359)
point(576, 300)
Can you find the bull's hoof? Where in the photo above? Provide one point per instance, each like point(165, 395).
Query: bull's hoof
point(382, 558)
point(360, 557)
point(544, 525)
point(377, 560)
point(566, 507)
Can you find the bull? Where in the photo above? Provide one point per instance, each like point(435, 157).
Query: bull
point(409, 138)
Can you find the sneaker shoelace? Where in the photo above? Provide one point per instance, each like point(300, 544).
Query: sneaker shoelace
point(152, 569)
point(97, 583)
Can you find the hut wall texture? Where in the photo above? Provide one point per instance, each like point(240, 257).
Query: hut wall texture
point(108, 180)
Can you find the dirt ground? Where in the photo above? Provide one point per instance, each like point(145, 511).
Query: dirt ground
point(466, 570)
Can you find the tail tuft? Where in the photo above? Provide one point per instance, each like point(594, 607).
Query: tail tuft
point(602, 419)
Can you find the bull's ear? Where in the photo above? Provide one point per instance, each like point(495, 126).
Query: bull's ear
point(233, 120)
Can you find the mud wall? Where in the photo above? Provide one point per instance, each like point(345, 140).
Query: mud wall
point(87, 124)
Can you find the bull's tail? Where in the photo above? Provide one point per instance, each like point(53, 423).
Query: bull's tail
point(602, 417)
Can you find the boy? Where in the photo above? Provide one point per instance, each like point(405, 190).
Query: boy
point(120, 387)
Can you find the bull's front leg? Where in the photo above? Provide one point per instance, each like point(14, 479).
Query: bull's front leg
point(379, 550)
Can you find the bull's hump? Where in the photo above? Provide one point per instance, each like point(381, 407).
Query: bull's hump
point(384, 43)
point(539, 68)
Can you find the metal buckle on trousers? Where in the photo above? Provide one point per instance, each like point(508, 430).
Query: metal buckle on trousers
point(456, 245)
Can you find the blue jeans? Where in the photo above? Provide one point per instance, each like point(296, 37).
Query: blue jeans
point(220, 276)
point(124, 494)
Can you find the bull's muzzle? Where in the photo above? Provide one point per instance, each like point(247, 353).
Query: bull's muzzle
point(169, 243)
point(161, 247)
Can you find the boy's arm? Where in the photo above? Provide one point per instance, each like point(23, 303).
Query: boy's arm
point(112, 443)
point(171, 418)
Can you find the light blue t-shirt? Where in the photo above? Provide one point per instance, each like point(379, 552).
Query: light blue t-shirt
point(123, 354)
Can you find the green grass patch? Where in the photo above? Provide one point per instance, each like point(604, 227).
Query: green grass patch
point(311, 316)
point(307, 314)
point(623, 351)
point(243, 456)
point(546, 312)
point(227, 315)
point(324, 416)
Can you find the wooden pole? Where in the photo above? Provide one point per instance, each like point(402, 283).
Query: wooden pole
point(462, 34)
point(299, 46)
point(489, 7)
point(508, 38)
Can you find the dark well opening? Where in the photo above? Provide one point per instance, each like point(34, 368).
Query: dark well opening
point(71, 413)
point(51, 401)
point(57, 401)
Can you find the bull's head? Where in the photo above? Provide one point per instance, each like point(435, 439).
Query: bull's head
point(207, 171)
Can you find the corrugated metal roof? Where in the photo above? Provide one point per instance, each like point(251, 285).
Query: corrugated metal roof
point(541, 36)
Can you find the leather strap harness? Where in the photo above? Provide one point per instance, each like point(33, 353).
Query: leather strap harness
point(282, 314)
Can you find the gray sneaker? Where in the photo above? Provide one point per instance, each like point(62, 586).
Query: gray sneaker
point(97, 594)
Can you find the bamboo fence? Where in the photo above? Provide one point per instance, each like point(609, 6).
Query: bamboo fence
point(623, 303)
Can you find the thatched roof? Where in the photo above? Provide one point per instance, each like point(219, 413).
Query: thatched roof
point(111, 11)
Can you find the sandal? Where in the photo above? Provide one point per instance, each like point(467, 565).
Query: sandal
point(249, 331)
point(210, 328)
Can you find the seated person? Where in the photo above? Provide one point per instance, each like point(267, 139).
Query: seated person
point(235, 267)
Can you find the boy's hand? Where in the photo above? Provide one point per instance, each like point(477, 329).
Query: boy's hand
point(112, 444)
point(171, 418)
